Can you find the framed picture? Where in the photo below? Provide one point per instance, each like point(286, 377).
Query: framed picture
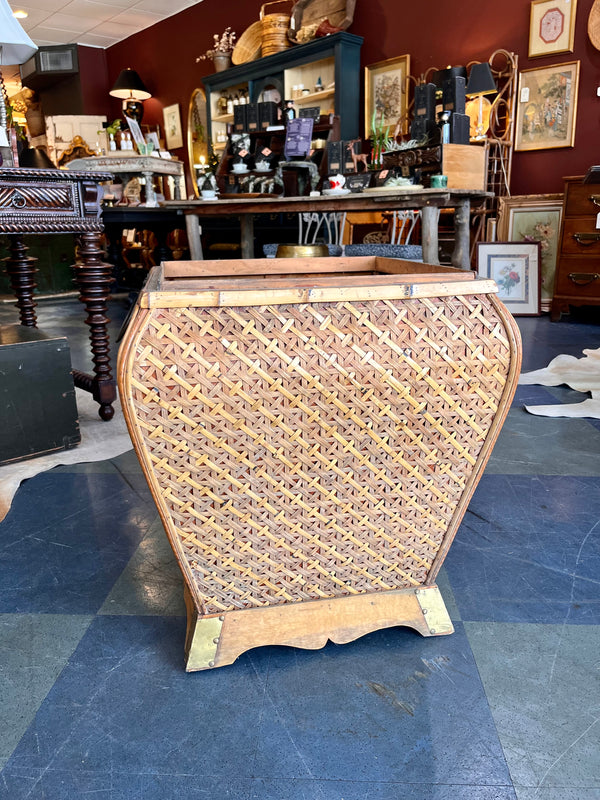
point(547, 107)
point(551, 27)
point(534, 218)
point(386, 92)
point(137, 135)
point(173, 134)
point(515, 266)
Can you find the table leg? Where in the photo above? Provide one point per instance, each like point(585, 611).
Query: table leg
point(151, 201)
point(247, 225)
point(93, 278)
point(462, 240)
point(193, 231)
point(430, 216)
point(21, 270)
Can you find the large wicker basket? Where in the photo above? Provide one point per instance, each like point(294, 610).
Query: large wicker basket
point(312, 431)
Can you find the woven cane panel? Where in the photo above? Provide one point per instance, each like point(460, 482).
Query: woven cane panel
point(319, 450)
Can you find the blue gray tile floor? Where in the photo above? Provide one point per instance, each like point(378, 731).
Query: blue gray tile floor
point(95, 701)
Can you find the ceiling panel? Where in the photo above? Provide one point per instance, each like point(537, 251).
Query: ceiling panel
point(93, 23)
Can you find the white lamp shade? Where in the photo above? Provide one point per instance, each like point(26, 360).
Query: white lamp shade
point(15, 46)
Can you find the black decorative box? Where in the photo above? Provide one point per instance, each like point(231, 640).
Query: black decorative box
point(251, 117)
point(268, 114)
point(240, 124)
point(37, 395)
point(334, 157)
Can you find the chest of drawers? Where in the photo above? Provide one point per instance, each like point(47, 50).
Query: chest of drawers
point(577, 281)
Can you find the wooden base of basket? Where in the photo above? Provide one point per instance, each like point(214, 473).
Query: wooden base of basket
point(214, 641)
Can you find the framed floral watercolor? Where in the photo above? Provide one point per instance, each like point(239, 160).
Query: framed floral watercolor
point(534, 218)
point(551, 27)
point(386, 93)
point(515, 266)
point(547, 107)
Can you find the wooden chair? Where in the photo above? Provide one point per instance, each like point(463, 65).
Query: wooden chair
point(77, 149)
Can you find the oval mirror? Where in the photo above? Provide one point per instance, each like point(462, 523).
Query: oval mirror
point(197, 136)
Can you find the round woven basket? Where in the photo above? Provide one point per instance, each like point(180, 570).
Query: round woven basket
point(274, 30)
point(594, 25)
point(248, 45)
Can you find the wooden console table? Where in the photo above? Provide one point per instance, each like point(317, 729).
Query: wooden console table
point(430, 201)
point(59, 201)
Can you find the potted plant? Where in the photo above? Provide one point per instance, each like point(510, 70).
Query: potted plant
point(221, 50)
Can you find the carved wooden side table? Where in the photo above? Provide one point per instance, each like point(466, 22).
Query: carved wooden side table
point(56, 201)
point(130, 165)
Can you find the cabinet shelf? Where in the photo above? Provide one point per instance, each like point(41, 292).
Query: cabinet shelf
point(327, 58)
point(307, 99)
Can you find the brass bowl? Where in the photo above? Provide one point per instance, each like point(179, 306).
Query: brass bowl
point(302, 251)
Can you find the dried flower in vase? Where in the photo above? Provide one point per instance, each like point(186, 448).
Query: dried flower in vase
point(222, 44)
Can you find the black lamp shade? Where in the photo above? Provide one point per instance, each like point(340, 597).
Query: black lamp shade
point(129, 86)
point(481, 80)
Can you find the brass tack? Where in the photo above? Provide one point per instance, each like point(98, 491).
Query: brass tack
point(211, 663)
point(216, 640)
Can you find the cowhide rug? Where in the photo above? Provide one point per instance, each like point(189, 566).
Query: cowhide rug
point(581, 374)
point(99, 441)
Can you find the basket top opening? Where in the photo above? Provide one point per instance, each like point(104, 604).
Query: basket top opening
point(295, 269)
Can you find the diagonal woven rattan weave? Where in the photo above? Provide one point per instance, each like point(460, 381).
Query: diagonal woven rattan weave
point(311, 451)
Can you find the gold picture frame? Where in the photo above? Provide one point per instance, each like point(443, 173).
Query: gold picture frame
point(551, 27)
point(173, 132)
point(547, 107)
point(535, 218)
point(386, 94)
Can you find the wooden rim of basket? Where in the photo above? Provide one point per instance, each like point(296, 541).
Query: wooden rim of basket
point(279, 13)
point(248, 45)
point(594, 25)
point(339, 13)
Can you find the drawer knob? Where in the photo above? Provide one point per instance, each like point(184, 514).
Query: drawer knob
point(586, 239)
point(583, 278)
point(595, 199)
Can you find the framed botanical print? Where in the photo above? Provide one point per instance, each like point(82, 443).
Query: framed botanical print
point(386, 92)
point(534, 218)
point(173, 132)
point(551, 27)
point(515, 266)
point(547, 107)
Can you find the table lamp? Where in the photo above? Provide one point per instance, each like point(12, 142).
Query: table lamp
point(130, 87)
point(15, 48)
point(481, 82)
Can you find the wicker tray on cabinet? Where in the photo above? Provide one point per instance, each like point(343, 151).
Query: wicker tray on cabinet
point(312, 431)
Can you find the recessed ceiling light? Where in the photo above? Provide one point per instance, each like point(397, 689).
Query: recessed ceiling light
point(19, 14)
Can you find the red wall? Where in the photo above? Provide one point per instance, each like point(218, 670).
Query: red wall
point(92, 73)
point(433, 32)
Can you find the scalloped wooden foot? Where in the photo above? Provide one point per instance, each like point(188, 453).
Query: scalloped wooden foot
point(217, 640)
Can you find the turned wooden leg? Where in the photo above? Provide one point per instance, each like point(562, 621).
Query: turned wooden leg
point(462, 240)
point(93, 278)
point(21, 270)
